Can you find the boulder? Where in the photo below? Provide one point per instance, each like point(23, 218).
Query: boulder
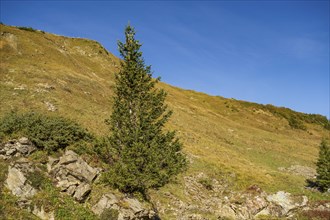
point(75, 166)
point(286, 202)
point(106, 202)
point(16, 180)
point(82, 191)
point(73, 175)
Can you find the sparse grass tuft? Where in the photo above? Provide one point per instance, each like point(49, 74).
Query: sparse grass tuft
point(206, 182)
point(109, 214)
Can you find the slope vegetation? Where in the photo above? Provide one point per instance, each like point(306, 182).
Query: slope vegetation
point(223, 138)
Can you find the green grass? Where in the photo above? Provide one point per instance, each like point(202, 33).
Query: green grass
point(221, 136)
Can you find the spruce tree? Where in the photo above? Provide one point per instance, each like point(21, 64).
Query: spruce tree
point(142, 154)
point(323, 167)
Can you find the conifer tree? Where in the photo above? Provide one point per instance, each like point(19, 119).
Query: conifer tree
point(323, 167)
point(143, 154)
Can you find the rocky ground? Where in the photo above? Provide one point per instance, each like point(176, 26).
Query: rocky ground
point(73, 176)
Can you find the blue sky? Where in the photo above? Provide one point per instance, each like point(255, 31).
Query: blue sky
point(270, 52)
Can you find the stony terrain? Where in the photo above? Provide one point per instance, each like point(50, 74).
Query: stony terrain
point(72, 176)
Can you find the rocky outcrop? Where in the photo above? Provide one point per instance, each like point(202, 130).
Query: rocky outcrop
point(216, 198)
point(17, 181)
point(255, 203)
point(17, 148)
point(73, 175)
point(20, 178)
point(285, 203)
point(126, 208)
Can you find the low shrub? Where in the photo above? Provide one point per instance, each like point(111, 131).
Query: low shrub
point(295, 119)
point(207, 183)
point(27, 29)
point(48, 133)
point(37, 179)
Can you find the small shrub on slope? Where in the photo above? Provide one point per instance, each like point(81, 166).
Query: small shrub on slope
point(46, 132)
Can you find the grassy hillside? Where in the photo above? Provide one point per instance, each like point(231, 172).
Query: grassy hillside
point(247, 142)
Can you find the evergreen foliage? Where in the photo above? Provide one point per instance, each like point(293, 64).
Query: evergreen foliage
point(46, 132)
point(142, 154)
point(323, 167)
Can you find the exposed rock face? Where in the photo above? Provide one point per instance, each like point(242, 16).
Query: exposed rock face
point(249, 203)
point(17, 182)
point(74, 176)
point(255, 203)
point(220, 201)
point(132, 209)
point(286, 202)
point(17, 148)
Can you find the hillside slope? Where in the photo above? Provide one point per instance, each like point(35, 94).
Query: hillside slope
point(223, 138)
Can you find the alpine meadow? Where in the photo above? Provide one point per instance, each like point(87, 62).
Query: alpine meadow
point(87, 135)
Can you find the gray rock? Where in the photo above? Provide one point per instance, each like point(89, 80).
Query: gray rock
point(133, 209)
point(82, 191)
point(65, 184)
point(71, 190)
point(24, 141)
point(11, 151)
point(262, 213)
point(287, 202)
point(106, 202)
point(17, 183)
point(227, 213)
point(134, 205)
point(76, 166)
point(17, 148)
point(73, 174)
point(51, 162)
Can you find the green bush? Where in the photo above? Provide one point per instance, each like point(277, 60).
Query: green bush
point(207, 183)
point(36, 179)
point(295, 123)
point(296, 119)
point(46, 132)
point(27, 29)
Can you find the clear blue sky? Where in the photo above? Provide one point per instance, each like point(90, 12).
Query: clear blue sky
point(270, 52)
